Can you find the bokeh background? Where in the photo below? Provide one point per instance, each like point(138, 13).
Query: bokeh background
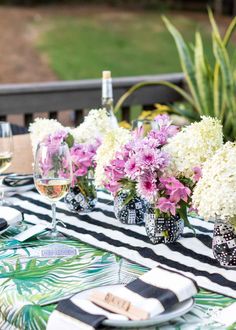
point(43, 40)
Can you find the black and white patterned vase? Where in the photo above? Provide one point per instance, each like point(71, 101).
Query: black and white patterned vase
point(131, 213)
point(82, 198)
point(162, 230)
point(224, 243)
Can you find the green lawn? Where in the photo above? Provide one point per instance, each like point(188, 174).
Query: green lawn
point(127, 43)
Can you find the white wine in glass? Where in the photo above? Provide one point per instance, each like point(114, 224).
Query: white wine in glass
point(52, 177)
point(6, 152)
point(53, 189)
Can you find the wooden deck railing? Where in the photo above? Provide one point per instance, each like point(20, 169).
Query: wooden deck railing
point(52, 97)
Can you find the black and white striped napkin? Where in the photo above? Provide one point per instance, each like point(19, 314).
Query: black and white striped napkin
point(155, 292)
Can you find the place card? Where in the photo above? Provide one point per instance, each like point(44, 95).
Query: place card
point(58, 250)
point(118, 305)
point(30, 232)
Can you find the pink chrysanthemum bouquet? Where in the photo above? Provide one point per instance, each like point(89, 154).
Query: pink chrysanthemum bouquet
point(141, 167)
point(82, 154)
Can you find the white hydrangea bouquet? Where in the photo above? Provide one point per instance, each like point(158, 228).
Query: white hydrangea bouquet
point(215, 193)
point(193, 146)
point(215, 198)
point(95, 125)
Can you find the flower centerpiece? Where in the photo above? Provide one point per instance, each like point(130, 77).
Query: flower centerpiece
point(215, 198)
point(134, 175)
point(163, 168)
point(83, 142)
point(83, 194)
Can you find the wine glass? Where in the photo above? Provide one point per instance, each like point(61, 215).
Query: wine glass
point(6, 152)
point(52, 177)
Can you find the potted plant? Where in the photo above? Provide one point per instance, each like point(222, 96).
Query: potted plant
point(210, 87)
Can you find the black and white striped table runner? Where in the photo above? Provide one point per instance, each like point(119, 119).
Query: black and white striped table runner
point(191, 256)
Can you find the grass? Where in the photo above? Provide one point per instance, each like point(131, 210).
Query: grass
point(127, 43)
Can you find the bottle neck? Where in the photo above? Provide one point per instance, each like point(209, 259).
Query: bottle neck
point(107, 89)
point(107, 100)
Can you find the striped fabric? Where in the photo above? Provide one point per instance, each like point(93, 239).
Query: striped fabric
point(155, 291)
point(191, 256)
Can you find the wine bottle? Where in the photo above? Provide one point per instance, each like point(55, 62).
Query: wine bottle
point(107, 97)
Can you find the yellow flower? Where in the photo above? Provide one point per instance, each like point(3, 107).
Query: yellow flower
point(151, 114)
point(162, 107)
point(125, 124)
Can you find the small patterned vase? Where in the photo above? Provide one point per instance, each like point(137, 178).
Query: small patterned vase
point(224, 243)
point(131, 213)
point(162, 230)
point(82, 198)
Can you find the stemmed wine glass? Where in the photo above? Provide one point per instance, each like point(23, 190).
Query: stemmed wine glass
point(52, 177)
point(6, 152)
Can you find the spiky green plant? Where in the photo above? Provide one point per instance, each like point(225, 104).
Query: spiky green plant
point(210, 88)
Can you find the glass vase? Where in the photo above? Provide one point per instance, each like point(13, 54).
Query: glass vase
point(162, 229)
point(224, 243)
point(131, 212)
point(146, 124)
point(82, 198)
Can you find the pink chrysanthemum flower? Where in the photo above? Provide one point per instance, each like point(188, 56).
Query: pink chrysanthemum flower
point(162, 120)
point(131, 168)
point(146, 186)
point(56, 138)
point(147, 158)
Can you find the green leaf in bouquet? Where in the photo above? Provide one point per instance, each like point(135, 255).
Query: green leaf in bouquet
point(69, 140)
point(130, 196)
point(184, 216)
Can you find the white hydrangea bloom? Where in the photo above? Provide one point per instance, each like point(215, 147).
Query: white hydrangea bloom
point(193, 145)
point(215, 193)
point(111, 143)
point(40, 128)
point(96, 124)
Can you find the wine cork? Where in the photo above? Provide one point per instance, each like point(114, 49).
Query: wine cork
point(106, 74)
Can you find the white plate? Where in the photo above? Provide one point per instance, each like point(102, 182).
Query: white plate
point(174, 312)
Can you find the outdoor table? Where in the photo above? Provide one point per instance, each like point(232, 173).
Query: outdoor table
point(31, 287)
